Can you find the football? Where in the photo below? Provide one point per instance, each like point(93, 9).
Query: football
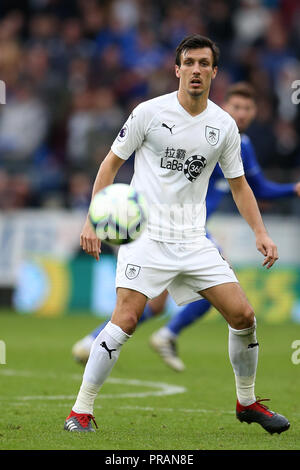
point(118, 214)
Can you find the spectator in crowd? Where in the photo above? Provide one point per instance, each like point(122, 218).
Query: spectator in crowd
point(23, 127)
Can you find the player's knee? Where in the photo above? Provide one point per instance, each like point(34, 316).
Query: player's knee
point(131, 322)
point(126, 318)
point(245, 319)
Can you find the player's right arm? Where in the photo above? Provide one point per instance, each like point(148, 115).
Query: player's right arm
point(105, 176)
point(128, 140)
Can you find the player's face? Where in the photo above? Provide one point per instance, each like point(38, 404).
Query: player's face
point(242, 110)
point(196, 71)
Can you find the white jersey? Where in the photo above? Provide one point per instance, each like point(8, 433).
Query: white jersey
point(175, 154)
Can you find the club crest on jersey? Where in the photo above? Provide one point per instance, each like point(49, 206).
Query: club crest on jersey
point(123, 134)
point(193, 167)
point(212, 135)
point(132, 271)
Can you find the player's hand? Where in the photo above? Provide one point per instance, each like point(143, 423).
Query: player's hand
point(267, 247)
point(89, 241)
point(297, 189)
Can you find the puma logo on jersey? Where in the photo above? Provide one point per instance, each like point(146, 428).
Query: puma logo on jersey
point(104, 345)
point(167, 127)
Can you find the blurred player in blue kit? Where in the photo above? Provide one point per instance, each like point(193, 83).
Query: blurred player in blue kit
point(240, 103)
point(178, 139)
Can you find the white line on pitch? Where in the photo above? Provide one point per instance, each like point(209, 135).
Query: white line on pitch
point(160, 388)
point(146, 408)
point(139, 408)
point(170, 410)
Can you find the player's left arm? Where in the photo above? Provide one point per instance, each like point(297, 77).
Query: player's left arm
point(248, 208)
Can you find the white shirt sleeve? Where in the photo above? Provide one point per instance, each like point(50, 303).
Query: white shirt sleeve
point(230, 160)
point(132, 134)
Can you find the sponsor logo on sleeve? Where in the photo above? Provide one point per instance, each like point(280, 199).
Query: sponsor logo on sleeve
point(123, 134)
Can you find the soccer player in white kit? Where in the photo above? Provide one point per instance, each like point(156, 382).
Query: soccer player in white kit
point(178, 139)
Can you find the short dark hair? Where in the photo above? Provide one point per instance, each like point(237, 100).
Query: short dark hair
point(243, 89)
point(196, 41)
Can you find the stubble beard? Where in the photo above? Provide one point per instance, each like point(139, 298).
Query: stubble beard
point(195, 93)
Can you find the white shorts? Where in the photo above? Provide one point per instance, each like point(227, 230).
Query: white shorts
point(149, 266)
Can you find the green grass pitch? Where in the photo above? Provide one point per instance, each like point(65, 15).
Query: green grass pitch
point(144, 404)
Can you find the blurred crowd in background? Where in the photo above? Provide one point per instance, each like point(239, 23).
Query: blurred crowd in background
point(74, 70)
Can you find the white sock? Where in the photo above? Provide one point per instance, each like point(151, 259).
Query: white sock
point(243, 354)
point(104, 354)
point(85, 398)
point(165, 333)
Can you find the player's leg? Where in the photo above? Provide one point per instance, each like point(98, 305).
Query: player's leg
point(157, 305)
point(104, 354)
point(144, 270)
point(164, 341)
point(230, 300)
point(81, 349)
